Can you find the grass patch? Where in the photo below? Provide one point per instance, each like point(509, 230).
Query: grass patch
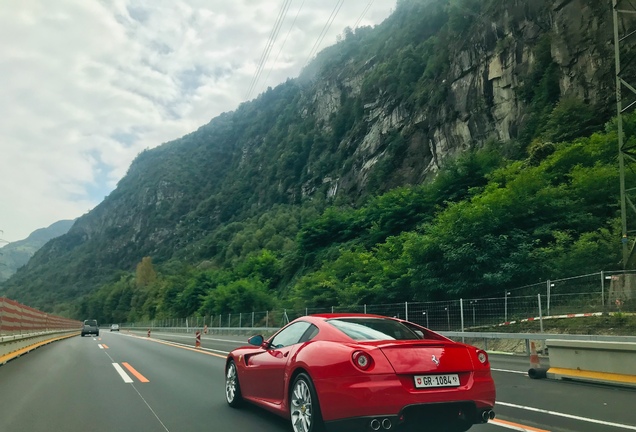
point(617, 324)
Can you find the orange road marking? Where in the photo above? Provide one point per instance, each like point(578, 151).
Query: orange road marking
point(132, 370)
point(105, 346)
point(515, 426)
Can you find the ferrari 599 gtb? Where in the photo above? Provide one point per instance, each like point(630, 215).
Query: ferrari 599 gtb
point(359, 372)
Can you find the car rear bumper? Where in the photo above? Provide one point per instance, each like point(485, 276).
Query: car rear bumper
point(394, 397)
point(436, 416)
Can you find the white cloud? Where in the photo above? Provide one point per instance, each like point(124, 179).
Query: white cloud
point(87, 84)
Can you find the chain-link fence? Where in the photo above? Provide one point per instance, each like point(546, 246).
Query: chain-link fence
point(595, 294)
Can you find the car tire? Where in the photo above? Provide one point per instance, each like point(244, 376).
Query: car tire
point(232, 387)
point(304, 408)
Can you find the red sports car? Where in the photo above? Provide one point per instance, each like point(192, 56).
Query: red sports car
point(346, 372)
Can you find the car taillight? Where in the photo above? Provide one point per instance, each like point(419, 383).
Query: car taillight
point(362, 360)
point(482, 356)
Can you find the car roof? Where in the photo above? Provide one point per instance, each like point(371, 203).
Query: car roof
point(329, 332)
point(326, 316)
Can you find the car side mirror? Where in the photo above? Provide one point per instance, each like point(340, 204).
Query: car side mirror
point(256, 340)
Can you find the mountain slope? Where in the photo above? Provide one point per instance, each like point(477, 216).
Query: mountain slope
point(16, 254)
point(386, 106)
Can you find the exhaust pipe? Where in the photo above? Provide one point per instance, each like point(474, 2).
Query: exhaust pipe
point(375, 424)
point(487, 415)
point(386, 424)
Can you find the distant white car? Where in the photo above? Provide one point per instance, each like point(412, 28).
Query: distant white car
point(114, 327)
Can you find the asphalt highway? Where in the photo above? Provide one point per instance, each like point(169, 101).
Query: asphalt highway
point(126, 382)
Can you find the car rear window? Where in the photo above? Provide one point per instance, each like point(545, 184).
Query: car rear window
point(373, 329)
point(92, 323)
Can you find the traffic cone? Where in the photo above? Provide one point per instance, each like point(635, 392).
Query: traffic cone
point(536, 371)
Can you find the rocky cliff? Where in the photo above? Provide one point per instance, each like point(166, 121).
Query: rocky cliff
point(384, 107)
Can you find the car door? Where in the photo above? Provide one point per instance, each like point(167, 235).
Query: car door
point(265, 370)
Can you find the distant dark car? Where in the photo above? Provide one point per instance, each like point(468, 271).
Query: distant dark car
point(114, 327)
point(90, 327)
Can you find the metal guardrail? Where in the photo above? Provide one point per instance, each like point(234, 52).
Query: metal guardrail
point(538, 336)
point(245, 331)
point(18, 337)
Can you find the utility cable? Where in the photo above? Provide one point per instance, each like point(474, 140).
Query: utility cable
point(268, 47)
point(325, 29)
point(364, 12)
point(284, 41)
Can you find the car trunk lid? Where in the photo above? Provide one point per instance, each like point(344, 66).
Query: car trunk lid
point(428, 356)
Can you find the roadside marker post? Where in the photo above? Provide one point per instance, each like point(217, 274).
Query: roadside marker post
point(535, 362)
point(197, 343)
point(148, 332)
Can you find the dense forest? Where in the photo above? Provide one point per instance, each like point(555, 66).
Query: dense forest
point(459, 148)
point(484, 224)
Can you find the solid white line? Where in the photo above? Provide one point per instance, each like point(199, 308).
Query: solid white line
point(570, 416)
point(190, 346)
point(191, 336)
point(150, 408)
point(123, 374)
point(100, 346)
point(508, 371)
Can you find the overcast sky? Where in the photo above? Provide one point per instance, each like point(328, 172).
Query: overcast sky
point(85, 85)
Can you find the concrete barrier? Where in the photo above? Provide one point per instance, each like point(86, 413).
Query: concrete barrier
point(593, 361)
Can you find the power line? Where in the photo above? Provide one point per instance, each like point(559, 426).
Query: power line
point(284, 41)
point(268, 47)
point(364, 12)
point(325, 29)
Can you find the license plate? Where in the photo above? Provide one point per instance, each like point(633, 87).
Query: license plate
point(426, 381)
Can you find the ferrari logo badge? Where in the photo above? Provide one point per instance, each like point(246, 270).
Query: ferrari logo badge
point(241, 357)
point(435, 360)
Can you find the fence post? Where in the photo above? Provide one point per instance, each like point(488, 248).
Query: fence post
point(252, 318)
point(365, 308)
point(603, 289)
point(406, 310)
point(461, 311)
point(540, 313)
point(241, 319)
point(506, 306)
point(267, 318)
point(229, 320)
point(1, 308)
point(549, 285)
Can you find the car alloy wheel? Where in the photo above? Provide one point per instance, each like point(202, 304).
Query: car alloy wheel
point(303, 405)
point(232, 389)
